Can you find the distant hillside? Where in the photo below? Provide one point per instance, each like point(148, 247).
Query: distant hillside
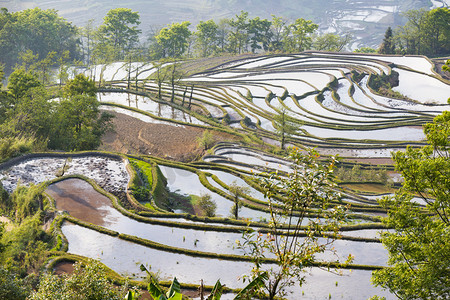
point(366, 19)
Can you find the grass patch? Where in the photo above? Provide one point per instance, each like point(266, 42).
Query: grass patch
point(374, 188)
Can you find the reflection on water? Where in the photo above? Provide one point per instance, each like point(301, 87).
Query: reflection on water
point(125, 257)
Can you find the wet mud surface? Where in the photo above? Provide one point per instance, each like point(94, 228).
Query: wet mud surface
point(81, 201)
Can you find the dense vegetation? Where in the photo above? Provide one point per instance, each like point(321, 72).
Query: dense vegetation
point(426, 33)
point(32, 119)
point(118, 38)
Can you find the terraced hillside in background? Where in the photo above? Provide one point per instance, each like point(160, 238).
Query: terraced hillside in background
point(331, 98)
point(366, 20)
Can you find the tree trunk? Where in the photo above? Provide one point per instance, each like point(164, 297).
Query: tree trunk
point(184, 96)
point(190, 97)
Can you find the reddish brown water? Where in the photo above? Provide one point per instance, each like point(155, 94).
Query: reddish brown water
point(63, 268)
point(81, 200)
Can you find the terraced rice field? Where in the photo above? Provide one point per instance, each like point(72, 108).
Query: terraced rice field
point(326, 95)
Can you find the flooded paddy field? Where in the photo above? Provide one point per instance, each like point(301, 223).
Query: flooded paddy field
point(330, 100)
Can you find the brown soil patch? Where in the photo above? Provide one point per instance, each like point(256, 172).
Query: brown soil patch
point(63, 267)
point(133, 136)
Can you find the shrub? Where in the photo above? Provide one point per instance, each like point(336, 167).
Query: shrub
point(208, 205)
point(86, 282)
point(207, 140)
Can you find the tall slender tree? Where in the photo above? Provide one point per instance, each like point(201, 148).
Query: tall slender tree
point(387, 46)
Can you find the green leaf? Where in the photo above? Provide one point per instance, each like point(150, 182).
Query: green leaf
point(174, 292)
point(252, 286)
point(216, 292)
point(156, 292)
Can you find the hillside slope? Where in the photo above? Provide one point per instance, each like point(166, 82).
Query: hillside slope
point(366, 19)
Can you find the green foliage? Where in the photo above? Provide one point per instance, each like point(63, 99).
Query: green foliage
point(15, 146)
point(446, 67)
point(331, 42)
point(237, 191)
point(11, 286)
point(387, 46)
point(119, 31)
point(420, 243)
point(309, 185)
point(299, 35)
point(20, 82)
point(26, 247)
point(173, 39)
point(207, 140)
point(144, 170)
point(207, 41)
point(80, 85)
point(78, 122)
point(87, 282)
point(358, 174)
point(174, 292)
point(27, 201)
point(41, 31)
point(284, 127)
point(33, 122)
point(426, 32)
point(5, 205)
point(365, 50)
point(208, 205)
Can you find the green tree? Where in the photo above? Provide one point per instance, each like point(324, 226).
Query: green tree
point(27, 246)
point(284, 127)
point(308, 186)
point(238, 36)
point(20, 82)
point(41, 31)
point(419, 244)
point(80, 85)
point(173, 39)
point(208, 205)
point(278, 32)
point(299, 35)
point(222, 34)
point(87, 40)
point(237, 191)
point(331, 42)
point(120, 30)
point(31, 115)
point(207, 38)
point(12, 287)
point(365, 50)
point(387, 46)
point(78, 122)
point(426, 32)
point(260, 34)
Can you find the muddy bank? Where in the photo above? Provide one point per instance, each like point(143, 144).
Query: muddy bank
point(81, 201)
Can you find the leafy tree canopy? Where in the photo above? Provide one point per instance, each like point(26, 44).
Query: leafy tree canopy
point(419, 248)
point(41, 31)
point(120, 29)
